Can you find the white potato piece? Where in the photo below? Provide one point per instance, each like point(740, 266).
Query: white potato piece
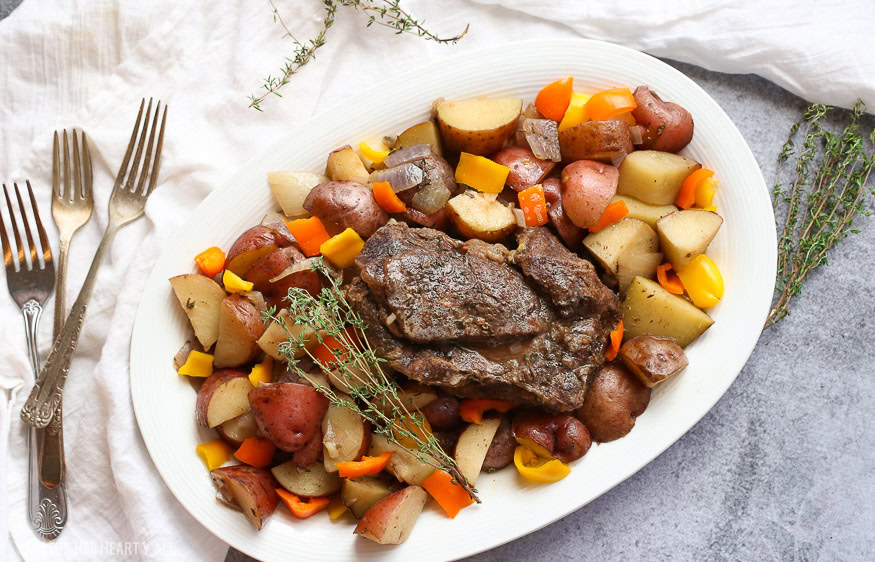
point(627, 236)
point(644, 211)
point(650, 309)
point(344, 436)
point(686, 234)
point(276, 333)
point(402, 464)
point(477, 126)
point(309, 482)
point(391, 519)
point(201, 299)
point(344, 164)
point(472, 446)
point(630, 266)
point(291, 188)
point(480, 215)
point(240, 327)
point(359, 494)
point(654, 177)
point(224, 395)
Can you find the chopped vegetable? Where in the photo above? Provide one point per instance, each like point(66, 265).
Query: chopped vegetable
point(554, 98)
point(234, 283)
point(368, 466)
point(613, 213)
point(481, 173)
point(576, 113)
point(401, 177)
point(616, 340)
point(542, 136)
point(472, 409)
point(690, 188)
point(336, 509)
point(422, 430)
point(262, 372)
point(214, 453)
point(309, 233)
point(702, 281)
point(375, 156)
point(535, 469)
point(408, 154)
point(342, 249)
point(668, 280)
point(198, 364)
point(256, 452)
point(329, 351)
point(386, 198)
point(448, 494)
point(211, 261)
point(534, 205)
point(605, 105)
point(300, 508)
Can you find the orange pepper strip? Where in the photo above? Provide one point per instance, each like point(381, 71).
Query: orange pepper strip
point(687, 194)
point(368, 466)
point(211, 261)
point(616, 340)
point(613, 213)
point(534, 205)
point(329, 351)
point(669, 281)
point(256, 452)
point(604, 105)
point(302, 509)
point(309, 233)
point(387, 199)
point(452, 497)
point(553, 99)
point(472, 409)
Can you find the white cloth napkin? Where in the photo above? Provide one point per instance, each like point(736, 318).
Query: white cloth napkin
point(87, 65)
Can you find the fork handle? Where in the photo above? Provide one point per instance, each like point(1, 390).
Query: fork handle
point(61, 284)
point(45, 397)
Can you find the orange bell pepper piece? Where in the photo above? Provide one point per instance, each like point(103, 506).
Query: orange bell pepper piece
point(553, 99)
point(387, 199)
point(616, 340)
point(451, 496)
point(669, 281)
point(687, 194)
point(472, 409)
point(534, 205)
point(211, 261)
point(309, 233)
point(256, 452)
point(329, 351)
point(368, 466)
point(604, 105)
point(302, 509)
point(613, 213)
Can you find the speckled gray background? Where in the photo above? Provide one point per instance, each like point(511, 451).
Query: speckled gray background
point(783, 467)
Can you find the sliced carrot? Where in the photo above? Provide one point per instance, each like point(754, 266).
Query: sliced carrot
point(613, 213)
point(669, 280)
point(472, 409)
point(300, 508)
point(605, 105)
point(451, 496)
point(616, 340)
point(687, 194)
point(256, 452)
point(387, 199)
point(534, 205)
point(368, 466)
point(309, 233)
point(553, 99)
point(211, 261)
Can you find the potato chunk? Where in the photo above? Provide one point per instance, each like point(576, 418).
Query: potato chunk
point(478, 126)
point(628, 236)
point(630, 266)
point(650, 309)
point(654, 177)
point(686, 234)
point(421, 133)
point(653, 359)
point(480, 215)
point(201, 299)
point(345, 165)
point(644, 211)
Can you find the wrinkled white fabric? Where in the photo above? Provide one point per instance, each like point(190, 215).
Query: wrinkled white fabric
point(88, 64)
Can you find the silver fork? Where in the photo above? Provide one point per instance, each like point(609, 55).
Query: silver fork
point(30, 284)
point(127, 203)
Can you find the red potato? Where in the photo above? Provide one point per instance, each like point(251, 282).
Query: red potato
point(253, 245)
point(248, 489)
point(201, 299)
point(439, 220)
point(560, 436)
point(272, 277)
point(665, 125)
point(288, 414)
point(567, 230)
point(223, 395)
point(614, 399)
point(240, 326)
point(311, 451)
point(525, 169)
point(309, 481)
point(443, 413)
point(587, 189)
point(472, 446)
point(346, 436)
point(237, 430)
point(348, 204)
point(500, 452)
point(391, 520)
point(605, 141)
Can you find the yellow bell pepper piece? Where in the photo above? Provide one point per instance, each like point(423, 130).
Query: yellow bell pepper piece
point(702, 281)
point(197, 364)
point(575, 114)
point(215, 453)
point(481, 173)
point(342, 248)
point(234, 283)
point(262, 372)
point(535, 469)
point(336, 509)
point(375, 156)
point(705, 193)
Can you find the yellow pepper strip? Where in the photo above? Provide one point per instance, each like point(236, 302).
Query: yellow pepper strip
point(481, 173)
point(262, 372)
point(234, 283)
point(197, 364)
point(535, 469)
point(336, 509)
point(343, 248)
point(375, 156)
point(702, 281)
point(705, 193)
point(575, 114)
point(215, 453)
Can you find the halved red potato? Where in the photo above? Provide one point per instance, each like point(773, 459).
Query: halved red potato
point(477, 126)
point(666, 126)
point(360, 494)
point(240, 326)
point(310, 482)
point(570, 233)
point(273, 275)
point(402, 464)
point(311, 452)
point(525, 169)
point(223, 395)
point(472, 446)
point(587, 189)
point(248, 489)
point(237, 430)
point(345, 436)
point(605, 141)
point(288, 414)
point(253, 245)
point(390, 520)
point(201, 299)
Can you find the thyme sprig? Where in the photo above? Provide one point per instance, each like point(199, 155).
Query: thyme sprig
point(372, 393)
point(826, 194)
point(386, 13)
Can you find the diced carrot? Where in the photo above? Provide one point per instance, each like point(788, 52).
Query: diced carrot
point(451, 496)
point(605, 105)
point(553, 99)
point(669, 280)
point(472, 409)
point(616, 340)
point(387, 199)
point(309, 233)
point(211, 261)
point(687, 194)
point(302, 509)
point(256, 452)
point(368, 466)
point(534, 205)
point(613, 213)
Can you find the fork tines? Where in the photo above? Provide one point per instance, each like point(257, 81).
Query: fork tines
point(80, 189)
point(131, 170)
point(22, 264)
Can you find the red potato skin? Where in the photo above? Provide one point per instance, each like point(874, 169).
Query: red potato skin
point(614, 399)
point(209, 386)
point(310, 452)
point(587, 189)
point(274, 264)
point(443, 413)
point(500, 452)
point(252, 245)
point(258, 482)
point(347, 203)
point(561, 435)
point(567, 230)
point(525, 169)
point(438, 220)
point(288, 414)
point(246, 313)
point(665, 125)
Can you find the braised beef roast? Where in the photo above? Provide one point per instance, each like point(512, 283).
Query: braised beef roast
point(477, 319)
